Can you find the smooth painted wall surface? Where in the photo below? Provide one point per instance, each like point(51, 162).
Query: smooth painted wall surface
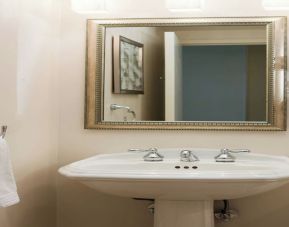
point(214, 83)
point(79, 205)
point(218, 35)
point(28, 105)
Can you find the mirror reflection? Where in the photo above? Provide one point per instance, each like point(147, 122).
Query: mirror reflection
point(189, 73)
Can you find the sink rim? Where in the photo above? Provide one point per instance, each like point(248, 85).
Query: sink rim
point(74, 170)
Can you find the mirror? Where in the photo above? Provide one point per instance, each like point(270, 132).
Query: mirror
point(194, 73)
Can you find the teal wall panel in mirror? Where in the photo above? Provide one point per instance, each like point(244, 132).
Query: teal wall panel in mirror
point(218, 89)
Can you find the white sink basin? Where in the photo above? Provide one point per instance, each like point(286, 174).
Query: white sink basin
point(126, 174)
point(178, 185)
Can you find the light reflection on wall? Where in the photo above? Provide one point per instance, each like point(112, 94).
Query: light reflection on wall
point(88, 6)
point(35, 57)
point(276, 4)
point(184, 5)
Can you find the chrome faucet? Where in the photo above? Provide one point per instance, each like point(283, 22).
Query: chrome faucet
point(188, 156)
point(151, 156)
point(226, 156)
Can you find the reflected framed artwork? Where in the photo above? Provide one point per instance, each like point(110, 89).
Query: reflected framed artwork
point(128, 66)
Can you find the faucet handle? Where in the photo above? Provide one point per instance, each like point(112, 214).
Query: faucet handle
point(238, 150)
point(137, 150)
point(226, 151)
point(226, 156)
point(153, 155)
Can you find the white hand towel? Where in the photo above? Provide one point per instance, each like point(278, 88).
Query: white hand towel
point(8, 189)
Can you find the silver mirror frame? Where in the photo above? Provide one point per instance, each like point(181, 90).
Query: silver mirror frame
point(276, 74)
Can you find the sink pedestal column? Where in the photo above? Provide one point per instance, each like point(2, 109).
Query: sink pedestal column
point(169, 213)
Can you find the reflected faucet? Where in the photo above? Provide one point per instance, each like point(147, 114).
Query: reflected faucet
point(117, 107)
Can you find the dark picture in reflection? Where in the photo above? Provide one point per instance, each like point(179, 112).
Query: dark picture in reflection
point(128, 66)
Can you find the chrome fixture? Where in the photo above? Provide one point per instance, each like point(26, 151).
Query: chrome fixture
point(3, 131)
point(129, 110)
point(226, 156)
point(226, 214)
point(151, 156)
point(136, 150)
point(188, 156)
point(151, 208)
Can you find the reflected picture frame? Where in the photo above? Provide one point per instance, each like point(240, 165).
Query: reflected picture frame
point(128, 66)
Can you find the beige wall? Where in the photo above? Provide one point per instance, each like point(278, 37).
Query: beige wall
point(28, 105)
point(222, 35)
point(142, 104)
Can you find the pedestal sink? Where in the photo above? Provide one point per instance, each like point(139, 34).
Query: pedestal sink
point(183, 192)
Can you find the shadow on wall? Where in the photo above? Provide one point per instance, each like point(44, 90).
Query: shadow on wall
point(266, 210)
point(83, 206)
point(37, 200)
point(80, 203)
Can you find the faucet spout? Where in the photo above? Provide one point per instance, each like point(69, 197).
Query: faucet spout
point(188, 156)
point(129, 110)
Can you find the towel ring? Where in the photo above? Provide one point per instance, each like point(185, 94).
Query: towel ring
point(3, 131)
